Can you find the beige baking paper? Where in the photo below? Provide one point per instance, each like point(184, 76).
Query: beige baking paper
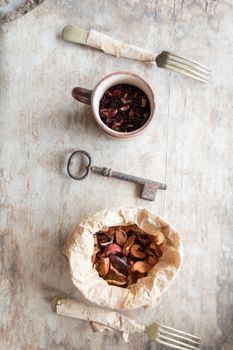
point(117, 48)
point(100, 318)
point(148, 290)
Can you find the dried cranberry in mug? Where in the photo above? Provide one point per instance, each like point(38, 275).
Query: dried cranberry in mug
point(124, 108)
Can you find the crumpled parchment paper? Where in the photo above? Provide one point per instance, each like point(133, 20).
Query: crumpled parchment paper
point(148, 290)
point(100, 318)
point(117, 48)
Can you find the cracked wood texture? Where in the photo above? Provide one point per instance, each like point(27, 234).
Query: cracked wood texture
point(188, 146)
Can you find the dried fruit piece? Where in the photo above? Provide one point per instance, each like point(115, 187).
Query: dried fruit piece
point(112, 249)
point(143, 239)
point(157, 238)
point(124, 108)
point(104, 239)
point(103, 266)
point(152, 260)
point(132, 278)
point(129, 261)
point(116, 92)
point(124, 100)
point(111, 231)
point(112, 282)
point(128, 244)
point(132, 228)
point(141, 275)
point(161, 248)
point(104, 244)
point(113, 112)
point(131, 114)
point(143, 102)
point(115, 278)
point(123, 254)
point(141, 266)
point(155, 249)
point(120, 264)
point(121, 237)
point(136, 252)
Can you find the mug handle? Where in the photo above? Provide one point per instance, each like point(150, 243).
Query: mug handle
point(82, 95)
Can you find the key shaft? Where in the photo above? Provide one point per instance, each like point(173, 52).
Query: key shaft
point(149, 186)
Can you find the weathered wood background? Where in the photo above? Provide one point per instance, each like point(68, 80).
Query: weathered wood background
point(189, 146)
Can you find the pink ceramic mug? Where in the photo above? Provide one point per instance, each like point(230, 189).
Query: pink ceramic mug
point(93, 97)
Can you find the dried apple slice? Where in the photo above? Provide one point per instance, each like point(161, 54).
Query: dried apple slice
point(141, 266)
point(128, 244)
point(132, 278)
point(136, 252)
point(143, 239)
point(121, 237)
point(158, 238)
point(115, 278)
point(152, 260)
point(111, 231)
point(141, 275)
point(155, 249)
point(103, 267)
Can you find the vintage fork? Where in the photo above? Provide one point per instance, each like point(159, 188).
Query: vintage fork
point(183, 65)
point(168, 336)
point(172, 337)
point(166, 60)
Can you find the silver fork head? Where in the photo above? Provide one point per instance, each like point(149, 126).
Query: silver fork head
point(183, 65)
point(172, 337)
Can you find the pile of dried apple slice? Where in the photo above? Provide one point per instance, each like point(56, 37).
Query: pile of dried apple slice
point(123, 254)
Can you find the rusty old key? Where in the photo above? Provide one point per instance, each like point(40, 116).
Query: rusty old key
point(83, 161)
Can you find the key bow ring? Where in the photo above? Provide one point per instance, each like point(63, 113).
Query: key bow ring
point(86, 168)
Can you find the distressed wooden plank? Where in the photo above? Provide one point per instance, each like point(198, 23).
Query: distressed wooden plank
point(188, 145)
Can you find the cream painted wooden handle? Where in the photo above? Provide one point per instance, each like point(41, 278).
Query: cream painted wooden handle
point(111, 319)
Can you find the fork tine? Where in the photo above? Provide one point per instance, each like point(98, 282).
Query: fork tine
point(162, 327)
point(188, 346)
point(188, 69)
point(185, 72)
point(180, 336)
point(187, 60)
point(184, 65)
point(171, 345)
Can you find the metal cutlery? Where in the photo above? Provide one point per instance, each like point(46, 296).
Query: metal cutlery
point(166, 59)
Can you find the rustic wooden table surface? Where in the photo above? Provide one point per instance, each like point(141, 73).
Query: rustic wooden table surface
point(189, 146)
